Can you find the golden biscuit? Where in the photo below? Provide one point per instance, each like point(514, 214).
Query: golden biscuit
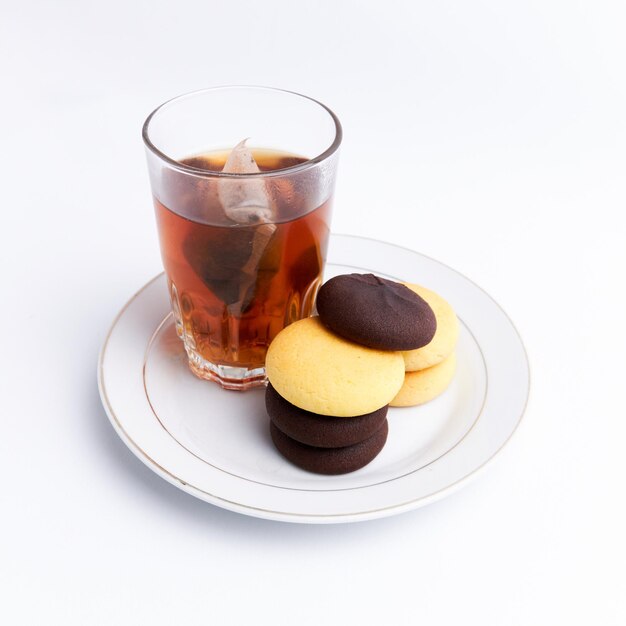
point(443, 343)
point(320, 372)
point(424, 385)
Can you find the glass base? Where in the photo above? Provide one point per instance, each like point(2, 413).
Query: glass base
point(228, 376)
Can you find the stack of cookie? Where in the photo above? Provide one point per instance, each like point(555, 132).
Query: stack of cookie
point(430, 369)
point(332, 377)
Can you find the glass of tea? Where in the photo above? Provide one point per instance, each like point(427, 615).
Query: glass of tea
point(242, 180)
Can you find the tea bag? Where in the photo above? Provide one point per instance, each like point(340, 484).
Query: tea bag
point(238, 262)
point(244, 201)
point(247, 202)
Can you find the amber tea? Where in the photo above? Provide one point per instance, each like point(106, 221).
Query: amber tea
point(235, 285)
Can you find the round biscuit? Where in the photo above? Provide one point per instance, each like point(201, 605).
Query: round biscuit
point(443, 343)
point(320, 372)
point(330, 460)
point(322, 431)
point(424, 385)
point(375, 312)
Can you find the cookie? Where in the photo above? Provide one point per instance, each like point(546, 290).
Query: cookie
point(443, 343)
point(322, 431)
point(330, 460)
point(375, 312)
point(424, 385)
point(322, 373)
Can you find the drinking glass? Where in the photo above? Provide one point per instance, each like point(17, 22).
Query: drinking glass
point(243, 242)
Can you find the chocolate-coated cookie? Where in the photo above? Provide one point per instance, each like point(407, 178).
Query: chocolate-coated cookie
point(322, 431)
point(330, 460)
point(375, 312)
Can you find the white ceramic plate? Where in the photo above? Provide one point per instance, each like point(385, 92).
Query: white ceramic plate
point(215, 444)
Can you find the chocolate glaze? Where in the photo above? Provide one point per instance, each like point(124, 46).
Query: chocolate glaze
point(330, 460)
point(322, 431)
point(376, 312)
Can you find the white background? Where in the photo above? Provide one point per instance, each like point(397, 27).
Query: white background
point(487, 134)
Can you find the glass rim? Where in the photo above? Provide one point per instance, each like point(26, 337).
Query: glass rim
point(196, 171)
